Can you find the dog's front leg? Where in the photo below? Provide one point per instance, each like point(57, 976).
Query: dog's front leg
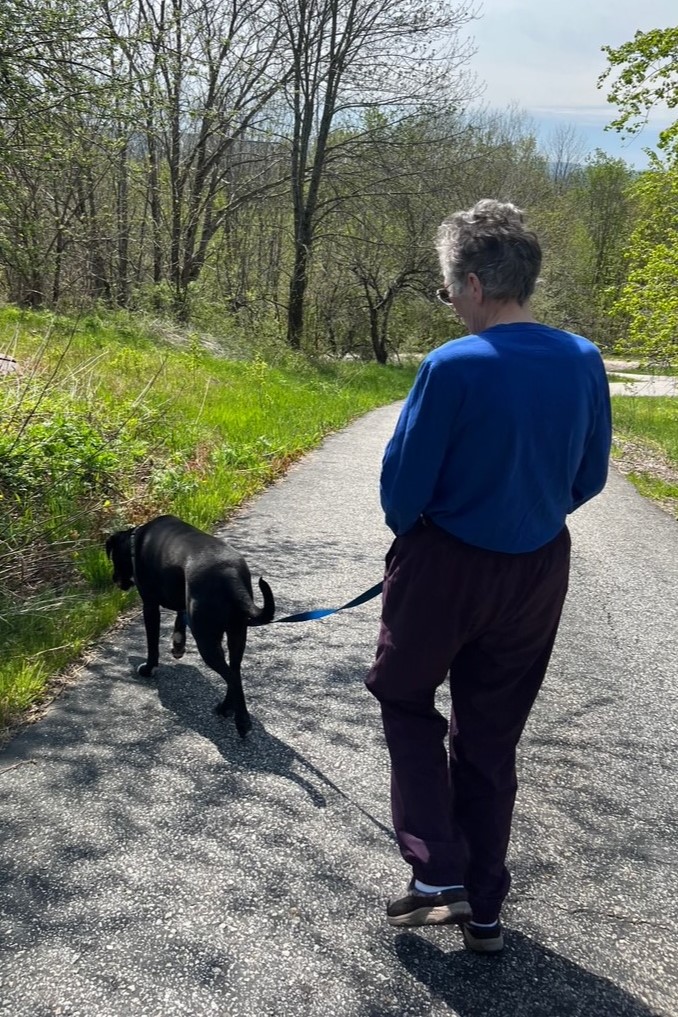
point(179, 636)
point(152, 624)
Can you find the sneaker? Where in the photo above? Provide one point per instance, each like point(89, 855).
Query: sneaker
point(483, 940)
point(417, 908)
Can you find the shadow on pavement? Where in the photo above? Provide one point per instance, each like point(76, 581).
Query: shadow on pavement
point(260, 752)
point(527, 980)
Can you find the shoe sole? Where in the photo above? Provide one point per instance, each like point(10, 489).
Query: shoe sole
point(494, 945)
point(446, 914)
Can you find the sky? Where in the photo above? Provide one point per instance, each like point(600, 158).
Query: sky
point(544, 56)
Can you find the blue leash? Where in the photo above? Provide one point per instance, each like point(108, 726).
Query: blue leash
point(374, 591)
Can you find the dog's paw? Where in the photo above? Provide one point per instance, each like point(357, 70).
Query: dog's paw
point(243, 725)
point(223, 709)
point(146, 670)
point(178, 644)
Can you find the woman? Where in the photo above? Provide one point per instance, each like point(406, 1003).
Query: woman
point(504, 433)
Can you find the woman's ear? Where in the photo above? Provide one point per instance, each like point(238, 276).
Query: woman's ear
point(476, 287)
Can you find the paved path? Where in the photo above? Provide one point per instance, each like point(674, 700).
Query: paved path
point(644, 384)
point(152, 865)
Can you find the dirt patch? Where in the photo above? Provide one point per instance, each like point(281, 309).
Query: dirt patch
point(617, 364)
point(630, 456)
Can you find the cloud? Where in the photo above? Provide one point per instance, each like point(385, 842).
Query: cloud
point(534, 52)
point(547, 58)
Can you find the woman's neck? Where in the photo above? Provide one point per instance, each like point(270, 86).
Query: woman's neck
point(509, 313)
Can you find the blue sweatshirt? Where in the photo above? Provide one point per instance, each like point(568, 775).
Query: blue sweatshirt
point(502, 435)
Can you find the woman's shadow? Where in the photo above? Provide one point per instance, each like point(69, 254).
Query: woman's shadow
point(527, 980)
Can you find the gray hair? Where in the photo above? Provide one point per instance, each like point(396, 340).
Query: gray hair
point(492, 241)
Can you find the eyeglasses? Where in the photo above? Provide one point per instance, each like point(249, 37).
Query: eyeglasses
point(443, 295)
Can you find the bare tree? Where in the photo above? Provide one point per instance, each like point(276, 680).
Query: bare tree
point(565, 152)
point(386, 242)
point(351, 57)
point(205, 73)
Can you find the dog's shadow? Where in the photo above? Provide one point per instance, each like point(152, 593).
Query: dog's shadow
point(191, 696)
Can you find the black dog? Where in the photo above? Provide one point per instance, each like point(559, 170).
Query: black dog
point(207, 583)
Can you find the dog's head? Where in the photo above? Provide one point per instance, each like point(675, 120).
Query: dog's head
point(119, 552)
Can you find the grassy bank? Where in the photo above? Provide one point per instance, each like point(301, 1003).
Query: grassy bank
point(646, 432)
point(106, 426)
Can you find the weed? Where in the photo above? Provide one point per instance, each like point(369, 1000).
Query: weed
point(110, 424)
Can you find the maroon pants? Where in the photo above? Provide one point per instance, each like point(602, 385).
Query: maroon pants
point(490, 620)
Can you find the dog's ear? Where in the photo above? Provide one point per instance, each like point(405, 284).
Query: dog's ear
point(109, 546)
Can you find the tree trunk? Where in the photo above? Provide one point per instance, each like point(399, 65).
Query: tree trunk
point(298, 286)
point(35, 295)
point(156, 213)
point(60, 247)
point(122, 209)
point(378, 333)
point(97, 268)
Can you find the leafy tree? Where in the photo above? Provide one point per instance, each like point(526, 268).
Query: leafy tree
point(644, 73)
point(604, 203)
point(648, 301)
point(53, 89)
point(49, 55)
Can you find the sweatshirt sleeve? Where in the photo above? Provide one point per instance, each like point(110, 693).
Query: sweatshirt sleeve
point(414, 455)
point(592, 473)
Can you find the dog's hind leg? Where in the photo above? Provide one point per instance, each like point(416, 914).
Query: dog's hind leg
point(179, 635)
point(211, 651)
point(236, 639)
point(152, 626)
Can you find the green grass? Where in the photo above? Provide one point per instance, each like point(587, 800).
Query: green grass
point(653, 487)
point(105, 427)
point(651, 423)
point(653, 420)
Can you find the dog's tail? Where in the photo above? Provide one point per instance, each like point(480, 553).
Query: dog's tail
point(263, 615)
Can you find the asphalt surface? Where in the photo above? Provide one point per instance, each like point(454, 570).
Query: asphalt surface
point(644, 384)
point(152, 864)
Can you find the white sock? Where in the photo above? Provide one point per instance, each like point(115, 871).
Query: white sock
point(484, 925)
point(427, 888)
